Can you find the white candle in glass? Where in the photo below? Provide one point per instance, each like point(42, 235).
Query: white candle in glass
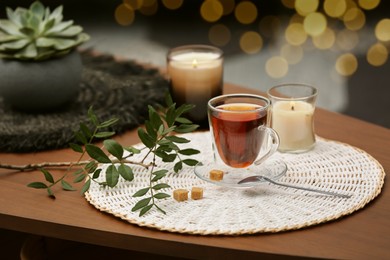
point(196, 75)
point(293, 121)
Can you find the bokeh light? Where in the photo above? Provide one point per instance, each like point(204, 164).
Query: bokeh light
point(351, 4)
point(296, 18)
point(124, 14)
point(292, 54)
point(251, 42)
point(289, 3)
point(211, 10)
point(228, 6)
point(354, 19)
point(369, 4)
point(346, 64)
point(305, 7)
point(377, 55)
point(295, 34)
point(172, 4)
point(325, 40)
point(314, 24)
point(335, 8)
point(331, 25)
point(219, 35)
point(149, 7)
point(246, 12)
point(382, 30)
point(276, 67)
point(134, 4)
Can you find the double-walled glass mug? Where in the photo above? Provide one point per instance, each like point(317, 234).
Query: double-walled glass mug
point(242, 142)
point(238, 125)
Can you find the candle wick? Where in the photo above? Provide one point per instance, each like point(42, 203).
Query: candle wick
point(292, 108)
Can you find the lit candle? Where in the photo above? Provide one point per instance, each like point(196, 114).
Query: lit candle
point(196, 75)
point(293, 121)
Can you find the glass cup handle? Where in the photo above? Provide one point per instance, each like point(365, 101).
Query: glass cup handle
point(274, 143)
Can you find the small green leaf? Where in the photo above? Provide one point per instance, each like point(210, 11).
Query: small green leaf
point(161, 195)
point(167, 148)
point(108, 123)
point(50, 193)
point(97, 153)
point(96, 174)
point(150, 130)
point(190, 162)
point(169, 157)
point(77, 148)
point(78, 172)
point(183, 109)
point(104, 134)
point(145, 209)
point(37, 185)
point(178, 166)
point(66, 186)
point(145, 138)
point(168, 99)
point(154, 118)
point(126, 172)
point(189, 151)
point(85, 130)
point(160, 186)
point(113, 148)
point(132, 150)
point(112, 176)
point(183, 120)
point(177, 139)
point(170, 116)
point(163, 171)
point(91, 167)
point(92, 116)
point(168, 130)
point(80, 137)
point(79, 178)
point(85, 187)
point(48, 175)
point(141, 192)
point(158, 177)
point(186, 128)
point(160, 209)
point(140, 204)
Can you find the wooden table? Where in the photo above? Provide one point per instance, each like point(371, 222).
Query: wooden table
point(364, 234)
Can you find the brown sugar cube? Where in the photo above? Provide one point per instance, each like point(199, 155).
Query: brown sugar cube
point(216, 175)
point(180, 194)
point(196, 193)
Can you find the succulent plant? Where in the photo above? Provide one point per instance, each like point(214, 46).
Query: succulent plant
point(38, 34)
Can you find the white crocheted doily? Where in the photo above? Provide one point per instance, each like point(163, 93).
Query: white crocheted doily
point(331, 166)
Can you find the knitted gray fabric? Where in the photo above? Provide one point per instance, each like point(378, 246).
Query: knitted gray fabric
point(120, 89)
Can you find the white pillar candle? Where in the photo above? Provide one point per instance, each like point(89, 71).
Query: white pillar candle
point(293, 121)
point(196, 75)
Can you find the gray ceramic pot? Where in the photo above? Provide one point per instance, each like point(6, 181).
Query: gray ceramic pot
point(42, 85)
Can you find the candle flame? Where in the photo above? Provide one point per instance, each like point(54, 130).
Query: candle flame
point(195, 63)
point(292, 104)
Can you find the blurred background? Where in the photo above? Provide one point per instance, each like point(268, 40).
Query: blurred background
point(339, 46)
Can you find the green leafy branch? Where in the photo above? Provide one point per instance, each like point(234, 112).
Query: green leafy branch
point(158, 138)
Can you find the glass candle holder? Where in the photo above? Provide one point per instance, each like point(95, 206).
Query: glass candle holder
point(196, 75)
point(292, 116)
